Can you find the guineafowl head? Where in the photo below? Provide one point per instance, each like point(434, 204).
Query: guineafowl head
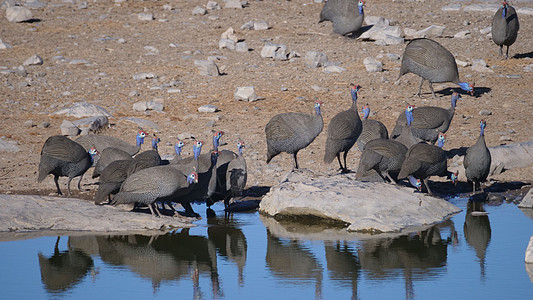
point(455, 97)
point(318, 104)
point(355, 89)
point(155, 140)
point(415, 182)
point(216, 139)
point(178, 146)
point(360, 6)
point(93, 152)
point(482, 125)
point(467, 87)
point(454, 177)
point(441, 140)
point(197, 148)
point(409, 114)
point(240, 146)
point(504, 7)
point(214, 157)
point(366, 111)
point(140, 137)
point(192, 178)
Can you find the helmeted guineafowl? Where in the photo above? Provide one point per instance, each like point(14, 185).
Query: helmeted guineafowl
point(431, 61)
point(291, 132)
point(428, 121)
point(178, 148)
point(100, 142)
point(406, 136)
point(236, 176)
point(477, 160)
point(372, 129)
point(384, 156)
point(425, 160)
point(111, 179)
point(146, 159)
point(347, 16)
point(505, 27)
point(343, 131)
point(107, 156)
point(61, 156)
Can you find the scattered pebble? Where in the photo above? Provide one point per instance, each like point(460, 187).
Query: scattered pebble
point(485, 112)
point(209, 108)
point(145, 17)
point(246, 93)
point(372, 64)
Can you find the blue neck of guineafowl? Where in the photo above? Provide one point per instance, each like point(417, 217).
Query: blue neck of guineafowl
point(240, 150)
point(409, 117)
point(482, 132)
point(154, 144)
point(440, 143)
point(504, 12)
point(317, 110)
point(413, 181)
point(215, 142)
point(366, 113)
point(197, 150)
point(454, 100)
point(177, 149)
point(140, 140)
point(465, 86)
point(190, 180)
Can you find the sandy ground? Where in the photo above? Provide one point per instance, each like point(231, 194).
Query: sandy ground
point(92, 34)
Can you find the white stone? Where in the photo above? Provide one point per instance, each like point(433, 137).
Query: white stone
point(462, 63)
point(528, 68)
point(8, 146)
point(525, 11)
point(261, 25)
point(245, 93)
point(4, 45)
point(527, 202)
point(462, 34)
point(269, 50)
point(82, 110)
point(432, 31)
point(207, 68)
point(68, 128)
point(199, 11)
point(209, 108)
point(372, 65)
point(529, 252)
point(315, 59)
point(479, 65)
point(233, 4)
point(242, 47)
point(482, 7)
point(142, 123)
point(229, 34)
point(410, 33)
point(212, 5)
point(387, 208)
point(78, 62)
point(33, 60)
point(18, 14)
point(332, 68)
point(392, 40)
point(226, 43)
point(378, 32)
point(452, 7)
point(486, 30)
point(375, 20)
point(94, 124)
point(249, 25)
point(148, 105)
point(144, 75)
point(145, 17)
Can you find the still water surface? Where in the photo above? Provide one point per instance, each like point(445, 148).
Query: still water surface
point(248, 256)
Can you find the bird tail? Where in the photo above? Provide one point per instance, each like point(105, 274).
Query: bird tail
point(329, 154)
point(43, 172)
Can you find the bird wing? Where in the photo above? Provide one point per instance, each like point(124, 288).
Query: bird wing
point(64, 149)
point(423, 52)
point(386, 148)
point(342, 126)
point(428, 117)
point(279, 129)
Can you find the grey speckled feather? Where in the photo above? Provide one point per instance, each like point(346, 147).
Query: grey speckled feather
point(344, 14)
point(61, 156)
point(107, 156)
point(111, 179)
point(477, 161)
point(143, 160)
point(372, 129)
point(383, 155)
point(100, 142)
point(505, 28)
point(291, 132)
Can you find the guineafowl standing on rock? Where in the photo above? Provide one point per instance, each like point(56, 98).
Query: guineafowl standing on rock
point(154, 184)
point(347, 16)
point(100, 142)
point(384, 156)
point(343, 131)
point(291, 132)
point(60, 156)
point(107, 156)
point(477, 160)
point(428, 121)
point(434, 63)
point(505, 27)
point(372, 129)
point(425, 160)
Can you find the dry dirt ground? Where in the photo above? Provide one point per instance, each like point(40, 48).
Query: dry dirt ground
point(92, 34)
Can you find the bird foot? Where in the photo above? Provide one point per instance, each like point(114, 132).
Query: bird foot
point(345, 171)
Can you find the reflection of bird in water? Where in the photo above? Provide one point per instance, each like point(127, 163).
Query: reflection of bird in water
point(343, 264)
point(477, 232)
point(292, 260)
point(64, 269)
point(229, 241)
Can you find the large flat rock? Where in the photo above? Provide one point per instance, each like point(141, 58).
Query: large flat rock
point(21, 213)
point(368, 207)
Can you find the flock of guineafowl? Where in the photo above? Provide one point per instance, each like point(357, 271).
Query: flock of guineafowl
point(407, 152)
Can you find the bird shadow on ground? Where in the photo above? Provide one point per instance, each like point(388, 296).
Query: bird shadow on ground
point(359, 32)
point(523, 55)
point(478, 91)
point(456, 151)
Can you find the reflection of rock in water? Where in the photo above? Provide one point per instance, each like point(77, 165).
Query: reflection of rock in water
point(64, 269)
point(477, 232)
point(343, 264)
point(421, 254)
point(291, 260)
point(229, 242)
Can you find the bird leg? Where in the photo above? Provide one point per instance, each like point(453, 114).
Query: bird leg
point(431, 88)
point(295, 160)
point(189, 212)
point(507, 53)
point(427, 186)
point(501, 50)
point(152, 208)
point(56, 179)
point(79, 182)
point(389, 177)
point(68, 186)
point(420, 88)
point(339, 160)
point(345, 165)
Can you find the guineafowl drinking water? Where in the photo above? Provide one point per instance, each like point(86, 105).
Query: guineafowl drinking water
point(372, 129)
point(505, 27)
point(60, 156)
point(291, 132)
point(347, 16)
point(425, 160)
point(343, 131)
point(428, 121)
point(434, 63)
point(477, 160)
